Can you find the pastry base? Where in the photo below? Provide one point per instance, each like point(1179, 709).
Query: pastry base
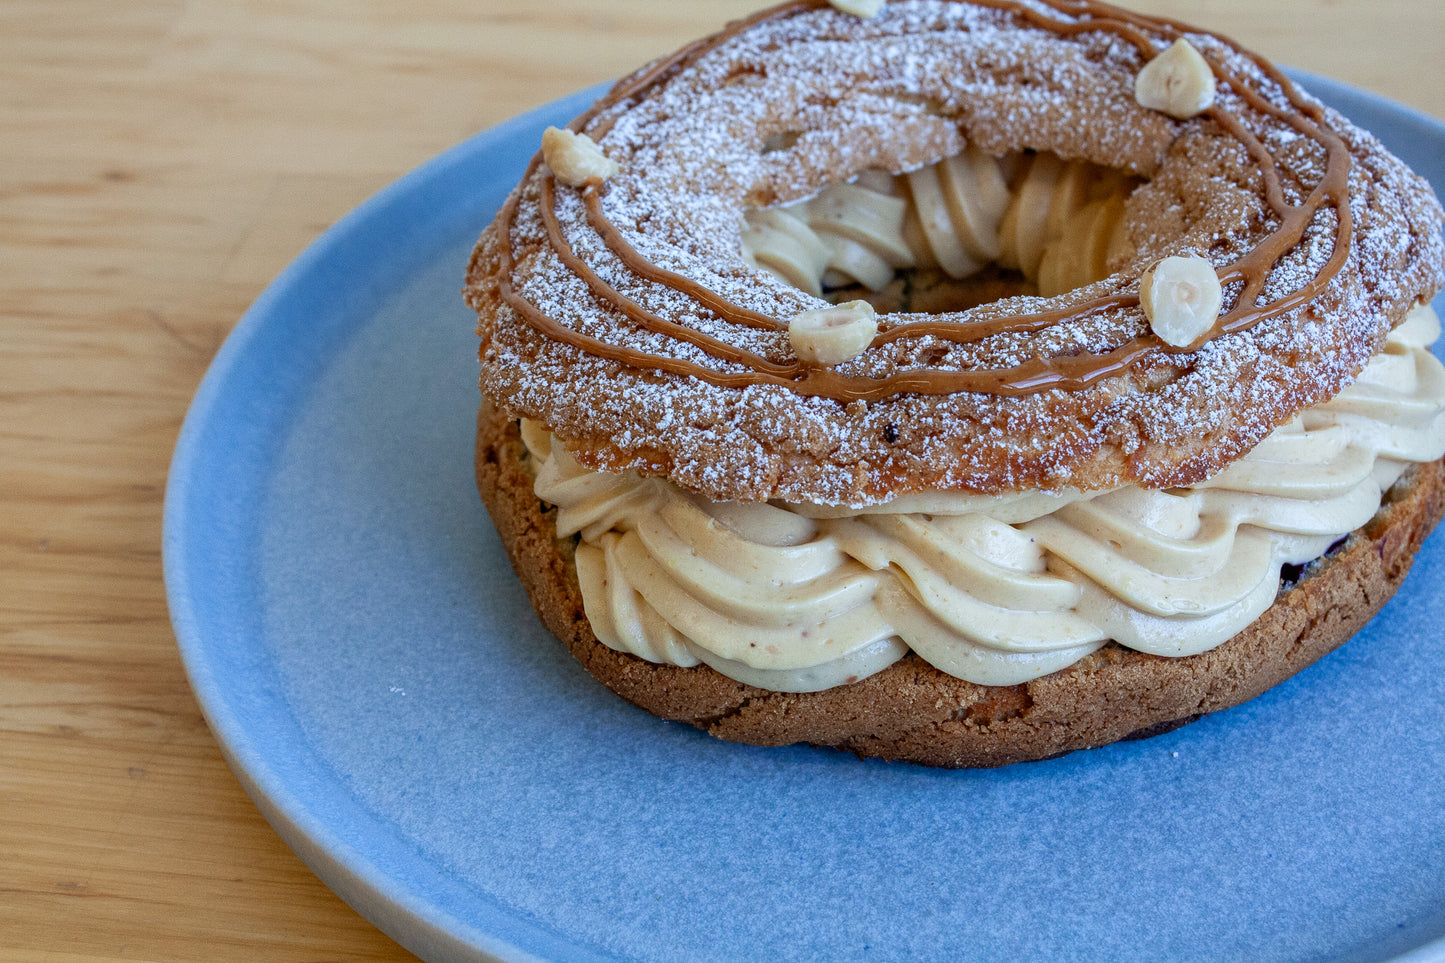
point(912, 712)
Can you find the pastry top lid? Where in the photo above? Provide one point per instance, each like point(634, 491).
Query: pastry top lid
point(619, 310)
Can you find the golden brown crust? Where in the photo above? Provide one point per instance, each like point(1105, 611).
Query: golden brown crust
point(690, 150)
point(911, 711)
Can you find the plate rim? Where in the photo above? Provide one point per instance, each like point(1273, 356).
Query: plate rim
point(349, 873)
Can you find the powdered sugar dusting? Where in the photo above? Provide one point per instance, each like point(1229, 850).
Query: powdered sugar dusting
point(894, 93)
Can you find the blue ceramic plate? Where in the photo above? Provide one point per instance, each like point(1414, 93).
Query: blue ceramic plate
point(377, 679)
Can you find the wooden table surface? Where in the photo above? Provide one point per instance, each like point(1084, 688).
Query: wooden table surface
point(160, 162)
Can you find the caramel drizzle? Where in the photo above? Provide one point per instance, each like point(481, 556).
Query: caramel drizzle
point(1069, 373)
point(618, 245)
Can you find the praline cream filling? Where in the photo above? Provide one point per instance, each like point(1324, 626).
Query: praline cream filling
point(993, 590)
point(1059, 223)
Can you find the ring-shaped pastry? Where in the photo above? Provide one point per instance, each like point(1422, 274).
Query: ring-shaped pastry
point(674, 351)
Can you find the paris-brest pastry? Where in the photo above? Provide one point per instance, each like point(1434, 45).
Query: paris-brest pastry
point(964, 382)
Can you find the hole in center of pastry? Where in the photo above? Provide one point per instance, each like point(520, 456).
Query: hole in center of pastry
point(965, 231)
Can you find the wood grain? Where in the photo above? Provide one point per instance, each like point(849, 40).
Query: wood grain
point(160, 162)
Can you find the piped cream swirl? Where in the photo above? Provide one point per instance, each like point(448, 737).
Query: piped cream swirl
point(1059, 223)
point(994, 590)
